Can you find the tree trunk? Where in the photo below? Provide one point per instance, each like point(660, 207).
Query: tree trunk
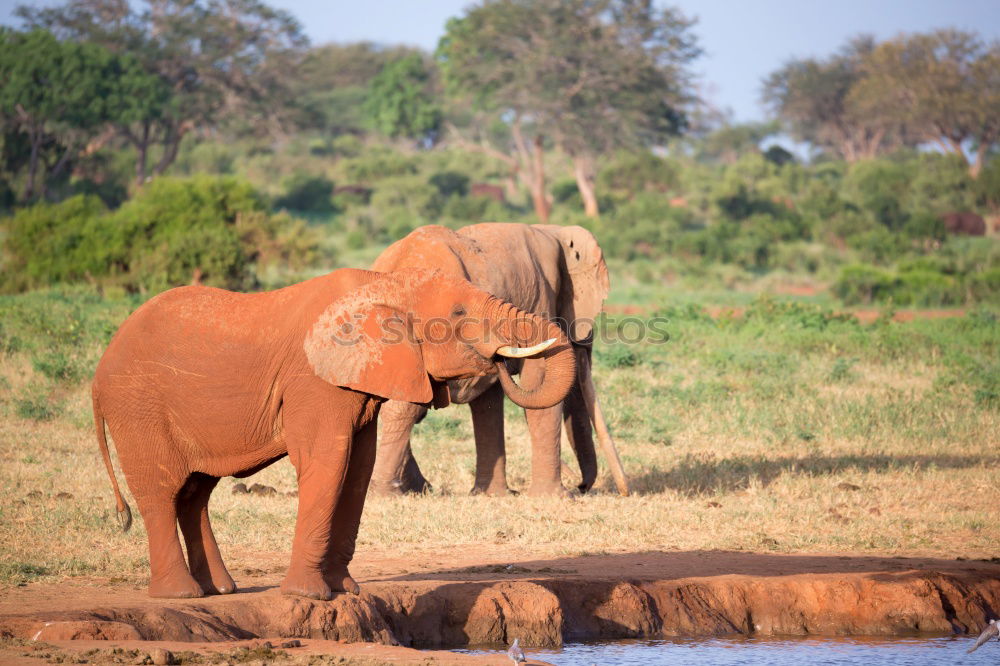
point(171, 144)
point(583, 169)
point(142, 145)
point(977, 164)
point(538, 182)
point(36, 143)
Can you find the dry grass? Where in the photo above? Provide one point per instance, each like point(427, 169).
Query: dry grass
point(732, 440)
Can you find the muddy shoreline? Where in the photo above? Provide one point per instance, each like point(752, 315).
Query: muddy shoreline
point(455, 601)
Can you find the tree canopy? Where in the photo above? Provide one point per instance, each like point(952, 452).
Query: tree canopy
point(941, 87)
point(222, 62)
point(594, 75)
point(400, 101)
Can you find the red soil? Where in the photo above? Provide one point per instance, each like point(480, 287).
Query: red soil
point(488, 596)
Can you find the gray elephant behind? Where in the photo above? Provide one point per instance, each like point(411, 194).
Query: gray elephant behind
point(553, 271)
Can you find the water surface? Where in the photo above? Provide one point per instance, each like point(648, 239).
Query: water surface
point(918, 651)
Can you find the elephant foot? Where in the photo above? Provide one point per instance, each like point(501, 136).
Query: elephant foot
point(548, 490)
point(309, 584)
point(221, 583)
point(493, 491)
point(340, 580)
point(178, 586)
point(398, 487)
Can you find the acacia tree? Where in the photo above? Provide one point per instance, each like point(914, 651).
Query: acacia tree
point(817, 101)
point(221, 61)
point(944, 86)
point(593, 75)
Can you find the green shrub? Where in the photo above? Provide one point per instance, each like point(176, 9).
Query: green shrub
point(631, 173)
point(410, 194)
point(43, 242)
point(985, 287)
point(172, 228)
point(940, 184)
point(793, 314)
point(924, 287)
point(307, 192)
point(58, 365)
point(467, 209)
point(377, 165)
point(450, 183)
point(880, 187)
point(860, 283)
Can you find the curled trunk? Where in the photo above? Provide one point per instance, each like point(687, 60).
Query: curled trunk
point(523, 329)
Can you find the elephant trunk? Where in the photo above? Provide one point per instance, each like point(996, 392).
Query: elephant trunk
point(523, 329)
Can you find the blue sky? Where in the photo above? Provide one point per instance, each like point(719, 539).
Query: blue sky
point(744, 40)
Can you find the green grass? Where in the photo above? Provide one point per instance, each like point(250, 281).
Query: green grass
point(736, 433)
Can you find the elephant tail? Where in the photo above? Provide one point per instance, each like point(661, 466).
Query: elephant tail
point(124, 512)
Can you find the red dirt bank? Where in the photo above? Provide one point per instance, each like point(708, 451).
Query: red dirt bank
point(456, 600)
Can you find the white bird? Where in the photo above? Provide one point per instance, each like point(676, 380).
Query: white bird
point(991, 630)
point(515, 652)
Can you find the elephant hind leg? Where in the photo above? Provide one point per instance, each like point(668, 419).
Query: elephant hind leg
point(204, 558)
point(169, 574)
point(396, 470)
point(156, 474)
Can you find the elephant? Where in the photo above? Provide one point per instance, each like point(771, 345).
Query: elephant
point(201, 383)
point(556, 272)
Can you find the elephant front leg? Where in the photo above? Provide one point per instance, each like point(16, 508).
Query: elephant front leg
point(347, 517)
point(491, 453)
point(544, 427)
point(396, 470)
point(321, 480)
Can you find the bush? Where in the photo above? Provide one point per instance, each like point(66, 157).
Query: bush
point(378, 165)
point(170, 229)
point(308, 192)
point(631, 173)
point(985, 287)
point(450, 183)
point(925, 287)
point(58, 365)
point(43, 242)
point(860, 283)
point(879, 187)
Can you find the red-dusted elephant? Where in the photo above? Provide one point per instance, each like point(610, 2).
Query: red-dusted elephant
point(201, 383)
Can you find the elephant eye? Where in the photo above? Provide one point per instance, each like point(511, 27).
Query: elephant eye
point(458, 311)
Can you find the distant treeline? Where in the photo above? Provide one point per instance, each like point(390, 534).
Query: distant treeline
point(551, 110)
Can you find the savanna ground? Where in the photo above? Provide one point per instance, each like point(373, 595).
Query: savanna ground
point(788, 429)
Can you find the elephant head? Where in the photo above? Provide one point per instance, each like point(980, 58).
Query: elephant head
point(585, 284)
point(401, 335)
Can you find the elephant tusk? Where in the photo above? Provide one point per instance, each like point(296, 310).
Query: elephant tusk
point(524, 352)
point(603, 434)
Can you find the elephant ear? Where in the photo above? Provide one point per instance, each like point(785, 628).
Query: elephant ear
point(361, 343)
point(585, 284)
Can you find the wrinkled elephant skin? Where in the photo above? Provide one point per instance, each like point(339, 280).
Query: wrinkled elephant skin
point(556, 272)
point(201, 383)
